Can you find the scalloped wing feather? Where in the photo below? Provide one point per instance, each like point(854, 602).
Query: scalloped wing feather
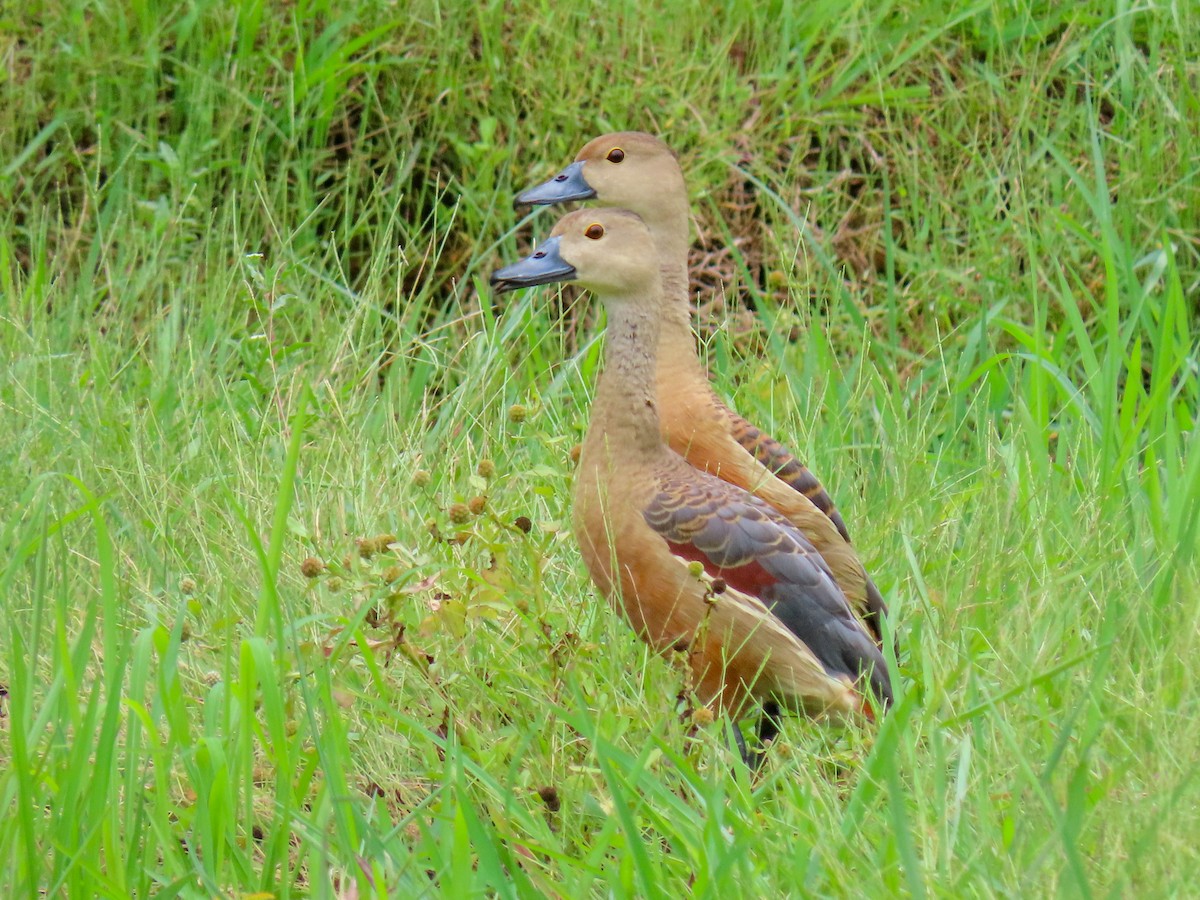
point(754, 549)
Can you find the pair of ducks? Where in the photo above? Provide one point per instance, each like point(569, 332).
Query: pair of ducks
point(707, 534)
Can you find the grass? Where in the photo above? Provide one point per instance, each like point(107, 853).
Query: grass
point(953, 261)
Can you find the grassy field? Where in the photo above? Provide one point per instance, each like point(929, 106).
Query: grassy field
point(289, 602)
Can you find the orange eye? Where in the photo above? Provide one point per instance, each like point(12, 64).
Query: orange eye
point(594, 232)
point(615, 155)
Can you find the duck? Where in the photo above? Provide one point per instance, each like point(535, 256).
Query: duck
point(694, 563)
point(639, 172)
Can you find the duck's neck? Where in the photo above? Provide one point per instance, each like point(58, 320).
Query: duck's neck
point(625, 411)
point(679, 363)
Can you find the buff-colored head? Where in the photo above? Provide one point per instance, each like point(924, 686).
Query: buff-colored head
point(608, 251)
point(627, 169)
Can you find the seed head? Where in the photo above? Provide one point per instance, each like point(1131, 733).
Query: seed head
point(549, 795)
point(312, 567)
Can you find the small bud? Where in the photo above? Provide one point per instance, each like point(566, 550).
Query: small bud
point(695, 568)
point(477, 504)
point(392, 573)
point(719, 586)
point(421, 478)
point(187, 586)
point(312, 567)
point(366, 547)
point(575, 452)
point(523, 523)
point(383, 541)
point(459, 513)
point(486, 468)
point(517, 414)
point(702, 716)
point(334, 584)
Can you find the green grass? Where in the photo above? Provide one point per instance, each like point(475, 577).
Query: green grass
point(243, 308)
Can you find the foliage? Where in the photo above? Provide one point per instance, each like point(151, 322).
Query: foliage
point(290, 604)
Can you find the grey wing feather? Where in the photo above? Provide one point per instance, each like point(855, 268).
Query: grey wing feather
point(756, 550)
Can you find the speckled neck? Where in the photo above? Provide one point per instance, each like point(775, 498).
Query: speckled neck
point(625, 411)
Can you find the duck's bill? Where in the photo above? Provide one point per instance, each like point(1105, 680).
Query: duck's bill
point(569, 184)
point(544, 266)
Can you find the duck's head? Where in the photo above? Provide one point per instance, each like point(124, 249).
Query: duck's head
point(627, 169)
point(608, 251)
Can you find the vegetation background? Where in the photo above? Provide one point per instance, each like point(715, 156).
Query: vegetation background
point(949, 252)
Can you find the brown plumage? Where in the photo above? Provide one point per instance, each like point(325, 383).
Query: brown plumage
point(639, 172)
point(689, 559)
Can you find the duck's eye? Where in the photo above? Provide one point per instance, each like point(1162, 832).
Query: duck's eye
point(615, 155)
point(594, 232)
point(539, 254)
